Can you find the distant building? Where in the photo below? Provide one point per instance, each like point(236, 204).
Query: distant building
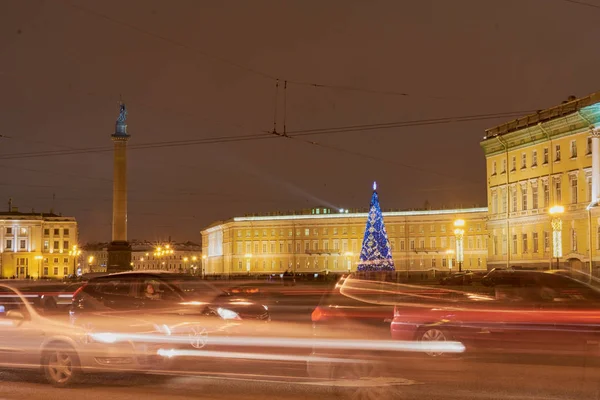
point(321, 240)
point(36, 245)
point(167, 256)
point(533, 164)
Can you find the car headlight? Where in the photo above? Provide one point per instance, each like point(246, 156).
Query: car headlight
point(227, 314)
point(102, 337)
point(265, 307)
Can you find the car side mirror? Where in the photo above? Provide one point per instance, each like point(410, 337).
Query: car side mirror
point(15, 315)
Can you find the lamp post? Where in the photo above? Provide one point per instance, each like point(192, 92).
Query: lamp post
point(75, 253)
point(556, 212)
point(193, 269)
point(348, 255)
point(248, 259)
point(185, 261)
point(39, 260)
point(449, 253)
point(203, 266)
point(90, 261)
point(459, 232)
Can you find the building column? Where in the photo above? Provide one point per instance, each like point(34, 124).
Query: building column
point(595, 136)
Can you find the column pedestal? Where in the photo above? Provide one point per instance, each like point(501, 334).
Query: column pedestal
point(119, 257)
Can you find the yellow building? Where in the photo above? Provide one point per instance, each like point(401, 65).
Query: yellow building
point(37, 245)
point(322, 241)
point(537, 162)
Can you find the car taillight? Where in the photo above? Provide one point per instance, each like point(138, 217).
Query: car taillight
point(79, 290)
point(317, 315)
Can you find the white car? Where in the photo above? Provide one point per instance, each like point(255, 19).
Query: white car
point(64, 348)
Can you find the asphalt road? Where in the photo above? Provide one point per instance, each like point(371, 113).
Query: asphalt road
point(455, 379)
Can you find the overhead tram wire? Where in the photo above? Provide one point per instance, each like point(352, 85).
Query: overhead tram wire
point(268, 135)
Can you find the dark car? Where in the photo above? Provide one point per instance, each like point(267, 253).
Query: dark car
point(536, 313)
point(150, 292)
point(457, 279)
point(505, 276)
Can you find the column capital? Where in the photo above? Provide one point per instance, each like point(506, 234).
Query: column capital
point(594, 131)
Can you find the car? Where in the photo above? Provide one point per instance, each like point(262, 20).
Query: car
point(151, 292)
point(457, 279)
point(33, 338)
point(540, 313)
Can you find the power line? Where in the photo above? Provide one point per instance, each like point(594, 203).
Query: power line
point(269, 135)
point(582, 3)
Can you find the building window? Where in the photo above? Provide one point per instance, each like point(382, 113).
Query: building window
point(264, 248)
point(9, 245)
point(503, 197)
point(273, 248)
point(402, 245)
point(513, 164)
point(65, 244)
point(55, 270)
point(22, 244)
point(534, 158)
point(494, 202)
point(514, 199)
point(573, 149)
point(432, 242)
point(524, 241)
point(493, 167)
point(281, 247)
point(504, 166)
point(523, 161)
point(9, 231)
point(65, 260)
point(546, 241)
point(354, 229)
point(344, 231)
point(514, 244)
point(240, 265)
point(336, 245)
point(546, 155)
point(46, 245)
point(46, 232)
point(534, 197)
point(335, 231)
point(504, 244)
point(325, 244)
point(45, 270)
point(557, 152)
point(558, 190)
point(573, 239)
point(534, 239)
point(56, 232)
point(433, 263)
point(444, 262)
point(546, 189)
point(325, 231)
point(55, 260)
point(256, 248)
point(412, 244)
point(524, 197)
point(66, 271)
point(66, 231)
point(574, 190)
point(588, 149)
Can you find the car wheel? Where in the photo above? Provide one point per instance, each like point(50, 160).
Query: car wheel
point(433, 334)
point(60, 365)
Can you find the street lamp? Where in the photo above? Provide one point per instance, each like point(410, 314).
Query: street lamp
point(449, 253)
point(248, 257)
point(75, 253)
point(556, 212)
point(39, 259)
point(459, 232)
point(185, 260)
point(193, 269)
point(348, 255)
point(90, 261)
point(203, 270)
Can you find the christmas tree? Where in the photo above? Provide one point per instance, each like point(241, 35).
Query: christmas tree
point(376, 252)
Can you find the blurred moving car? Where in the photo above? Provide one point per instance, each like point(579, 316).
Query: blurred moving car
point(32, 338)
point(457, 279)
point(150, 292)
point(504, 276)
point(533, 312)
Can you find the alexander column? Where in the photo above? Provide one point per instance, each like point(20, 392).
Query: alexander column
point(119, 250)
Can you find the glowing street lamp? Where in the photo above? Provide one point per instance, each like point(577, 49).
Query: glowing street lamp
point(449, 254)
point(75, 253)
point(459, 232)
point(556, 212)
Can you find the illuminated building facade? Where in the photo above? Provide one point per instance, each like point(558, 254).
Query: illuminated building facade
point(168, 256)
point(323, 241)
point(542, 163)
point(37, 245)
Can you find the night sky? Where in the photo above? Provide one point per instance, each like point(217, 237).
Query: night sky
point(191, 70)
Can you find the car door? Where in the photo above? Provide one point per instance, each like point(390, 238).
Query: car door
point(153, 294)
point(20, 336)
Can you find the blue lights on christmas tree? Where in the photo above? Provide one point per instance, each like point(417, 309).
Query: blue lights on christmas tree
point(376, 252)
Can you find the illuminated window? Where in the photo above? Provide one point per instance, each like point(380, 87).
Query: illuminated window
point(23, 231)
point(306, 232)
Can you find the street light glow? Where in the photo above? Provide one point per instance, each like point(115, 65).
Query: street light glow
point(459, 222)
point(557, 210)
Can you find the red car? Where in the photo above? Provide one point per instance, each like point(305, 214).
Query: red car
point(548, 313)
